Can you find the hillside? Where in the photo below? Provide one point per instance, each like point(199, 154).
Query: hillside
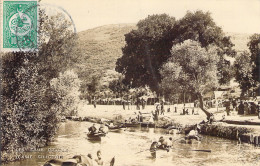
point(101, 47)
point(240, 40)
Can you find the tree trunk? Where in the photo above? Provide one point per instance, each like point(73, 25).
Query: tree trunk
point(202, 106)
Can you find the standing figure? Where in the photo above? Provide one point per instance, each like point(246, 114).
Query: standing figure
point(123, 104)
point(95, 102)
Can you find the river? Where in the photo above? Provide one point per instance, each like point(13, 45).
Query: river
point(130, 149)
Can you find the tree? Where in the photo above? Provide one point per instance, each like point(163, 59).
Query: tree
point(192, 68)
point(117, 86)
point(28, 119)
point(243, 72)
point(254, 47)
point(146, 49)
point(199, 26)
point(66, 86)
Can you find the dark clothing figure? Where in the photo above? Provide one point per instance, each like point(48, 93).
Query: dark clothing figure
point(253, 108)
point(92, 129)
point(155, 116)
point(241, 109)
point(157, 109)
point(227, 105)
point(162, 108)
point(140, 117)
point(95, 103)
point(124, 105)
point(143, 103)
point(153, 149)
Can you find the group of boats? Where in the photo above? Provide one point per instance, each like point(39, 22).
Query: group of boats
point(117, 128)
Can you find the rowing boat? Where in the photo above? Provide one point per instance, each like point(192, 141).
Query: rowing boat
point(96, 136)
point(132, 124)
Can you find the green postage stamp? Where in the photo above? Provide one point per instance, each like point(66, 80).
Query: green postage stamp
point(19, 25)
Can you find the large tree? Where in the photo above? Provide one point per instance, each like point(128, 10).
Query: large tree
point(254, 47)
point(243, 72)
point(200, 26)
point(28, 119)
point(145, 51)
point(191, 68)
point(148, 47)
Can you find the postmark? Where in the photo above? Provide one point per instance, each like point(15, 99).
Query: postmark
point(19, 25)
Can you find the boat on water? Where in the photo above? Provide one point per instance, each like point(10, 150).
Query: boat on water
point(132, 124)
point(95, 136)
point(116, 128)
point(76, 160)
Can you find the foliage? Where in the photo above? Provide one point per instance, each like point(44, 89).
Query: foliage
point(146, 48)
point(66, 87)
point(199, 26)
point(28, 118)
point(118, 87)
point(254, 47)
point(243, 72)
point(191, 68)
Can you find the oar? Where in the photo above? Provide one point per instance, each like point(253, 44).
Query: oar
point(198, 150)
point(178, 139)
point(201, 150)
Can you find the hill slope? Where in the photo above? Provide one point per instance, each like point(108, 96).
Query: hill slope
point(101, 47)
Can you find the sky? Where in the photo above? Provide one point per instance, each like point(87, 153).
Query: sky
point(242, 16)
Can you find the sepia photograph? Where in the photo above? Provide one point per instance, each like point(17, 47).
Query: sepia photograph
point(130, 82)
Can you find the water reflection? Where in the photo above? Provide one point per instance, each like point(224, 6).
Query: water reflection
point(130, 147)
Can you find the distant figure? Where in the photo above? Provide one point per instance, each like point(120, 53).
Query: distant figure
point(95, 103)
point(99, 160)
point(140, 117)
point(124, 105)
point(227, 105)
point(246, 109)
point(169, 109)
point(155, 116)
point(157, 111)
point(162, 108)
point(143, 103)
point(241, 108)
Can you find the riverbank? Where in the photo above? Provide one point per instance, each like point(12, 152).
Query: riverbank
point(116, 113)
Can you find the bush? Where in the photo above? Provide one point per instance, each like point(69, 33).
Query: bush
point(27, 118)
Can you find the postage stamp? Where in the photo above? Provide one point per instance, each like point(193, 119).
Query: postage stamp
point(19, 25)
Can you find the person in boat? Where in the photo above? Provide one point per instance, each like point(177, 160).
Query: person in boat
point(163, 144)
point(103, 129)
point(99, 160)
point(193, 134)
point(92, 129)
point(111, 125)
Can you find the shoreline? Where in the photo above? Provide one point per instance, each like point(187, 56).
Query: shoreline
point(115, 113)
